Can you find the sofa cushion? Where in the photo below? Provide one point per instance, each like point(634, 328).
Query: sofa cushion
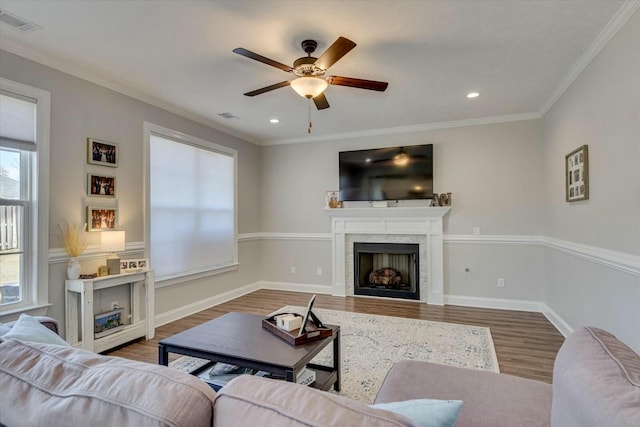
point(596, 382)
point(249, 401)
point(28, 328)
point(50, 385)
point(490, 399)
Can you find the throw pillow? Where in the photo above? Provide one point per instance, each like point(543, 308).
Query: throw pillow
point(426, 412)
point(28, 328)
point(4, 329)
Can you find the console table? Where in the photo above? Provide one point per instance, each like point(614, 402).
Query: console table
point(79, 298)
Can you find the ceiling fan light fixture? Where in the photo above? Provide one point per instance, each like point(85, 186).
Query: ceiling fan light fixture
point(309, 87)
point(401, 159)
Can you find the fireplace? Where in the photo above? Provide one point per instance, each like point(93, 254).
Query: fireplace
point(404, 225)
point(387, 270)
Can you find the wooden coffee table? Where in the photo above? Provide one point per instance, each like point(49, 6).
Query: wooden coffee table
point(239, 339)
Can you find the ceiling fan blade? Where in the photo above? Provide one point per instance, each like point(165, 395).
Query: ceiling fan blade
point(337, 50)
point(359, 83)
point(321, 102)
point(268, 88)
point(260, 58)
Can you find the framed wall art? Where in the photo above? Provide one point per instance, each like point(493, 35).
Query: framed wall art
point(102, 152)
point(101, 185)
point(100, 218)
point(577, 174)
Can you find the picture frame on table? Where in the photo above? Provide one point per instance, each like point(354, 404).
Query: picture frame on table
point(332, 200)
point(102, 153)
point(132, 265)
point(577, 174)
point(101, 218)
point(99, 185)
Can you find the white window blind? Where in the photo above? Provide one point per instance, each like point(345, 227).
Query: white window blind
point(192, 208)
point(17, 121)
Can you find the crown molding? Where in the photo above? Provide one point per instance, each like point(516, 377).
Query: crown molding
point(407, 129)
point(78, 71)
point(622, 15)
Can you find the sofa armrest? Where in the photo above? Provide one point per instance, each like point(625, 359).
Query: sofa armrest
point(489, 399)
point(596, 382)
point(49, 322)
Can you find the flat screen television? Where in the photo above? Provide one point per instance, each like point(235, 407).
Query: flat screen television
point(394, 173)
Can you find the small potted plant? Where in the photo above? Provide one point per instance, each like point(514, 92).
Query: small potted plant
point(74, 243)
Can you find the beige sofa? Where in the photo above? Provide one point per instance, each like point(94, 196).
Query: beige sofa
point(596, 383)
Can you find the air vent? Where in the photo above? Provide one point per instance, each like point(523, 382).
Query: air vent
point(228, 116)
point(17, 22)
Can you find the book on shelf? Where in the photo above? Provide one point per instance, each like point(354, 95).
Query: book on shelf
point(221, 373)
point(305, 377)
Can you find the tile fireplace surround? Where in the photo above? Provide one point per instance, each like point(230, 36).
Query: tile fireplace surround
point(421, 225)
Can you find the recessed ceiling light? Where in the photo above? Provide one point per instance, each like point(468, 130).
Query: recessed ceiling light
point(473, 95)
point(274, 121)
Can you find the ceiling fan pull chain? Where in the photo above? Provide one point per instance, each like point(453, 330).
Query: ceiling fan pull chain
point(309, 116)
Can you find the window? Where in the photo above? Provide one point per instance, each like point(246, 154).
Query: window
point(24, 203)
point(192, 200)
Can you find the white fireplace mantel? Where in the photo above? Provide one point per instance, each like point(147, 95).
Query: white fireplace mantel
point(389, 224)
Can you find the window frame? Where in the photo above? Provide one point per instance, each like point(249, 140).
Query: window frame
point(36, 211)
point(160, 131)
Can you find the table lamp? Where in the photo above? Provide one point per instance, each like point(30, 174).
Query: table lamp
point(113, 241)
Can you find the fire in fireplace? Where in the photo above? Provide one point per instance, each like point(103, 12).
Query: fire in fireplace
point(387, 270)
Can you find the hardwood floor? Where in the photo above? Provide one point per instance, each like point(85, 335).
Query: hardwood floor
point(526, 343)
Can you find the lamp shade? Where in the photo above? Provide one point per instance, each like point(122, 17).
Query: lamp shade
point(309, 87)
point(112, 241)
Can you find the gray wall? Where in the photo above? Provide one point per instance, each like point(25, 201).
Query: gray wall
point(80, 109)
point(492, 171)
point(601, 109)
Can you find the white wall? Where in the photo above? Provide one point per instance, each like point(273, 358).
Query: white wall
point(601, 109)
point(80, 109)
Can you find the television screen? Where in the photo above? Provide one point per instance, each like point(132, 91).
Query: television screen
point(395, 173)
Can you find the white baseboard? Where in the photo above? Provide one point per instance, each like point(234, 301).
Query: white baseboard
point(510, 304)
point(496, 303)
point(296, 287)
point(187, 310)
point(557, 321)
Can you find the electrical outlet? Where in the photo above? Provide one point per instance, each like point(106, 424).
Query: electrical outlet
point(319, 271)
point(500, 282)
point(476, 231)
point(114, 305)
point(292, 269)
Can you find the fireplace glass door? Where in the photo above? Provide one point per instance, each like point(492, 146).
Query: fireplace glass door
point(387, 270)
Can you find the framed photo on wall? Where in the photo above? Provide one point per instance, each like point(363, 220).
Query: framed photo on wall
point(100, 218)
point(101, 185)
point(102, 152)
point(577, 174)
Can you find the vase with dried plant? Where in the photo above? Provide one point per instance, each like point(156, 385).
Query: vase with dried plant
point(74, 242)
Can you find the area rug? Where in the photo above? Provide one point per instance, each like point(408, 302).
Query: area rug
point(371, 344)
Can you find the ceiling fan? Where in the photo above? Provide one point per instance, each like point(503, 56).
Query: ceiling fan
point(310, 81)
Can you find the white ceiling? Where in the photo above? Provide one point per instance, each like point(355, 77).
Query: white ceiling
point(520, 56)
